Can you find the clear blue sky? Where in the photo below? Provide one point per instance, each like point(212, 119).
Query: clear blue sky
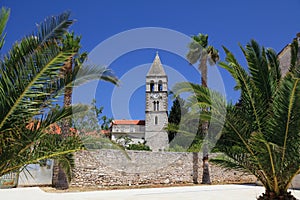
point(273, 23)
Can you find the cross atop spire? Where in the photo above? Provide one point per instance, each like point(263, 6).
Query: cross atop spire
point(156, 68)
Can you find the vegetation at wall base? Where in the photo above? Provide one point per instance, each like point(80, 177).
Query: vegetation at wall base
point(138, 147)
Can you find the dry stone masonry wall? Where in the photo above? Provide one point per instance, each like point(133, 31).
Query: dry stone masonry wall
point(114, 168)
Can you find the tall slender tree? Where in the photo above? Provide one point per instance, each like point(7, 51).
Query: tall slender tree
point(200, 51)
point(177, 111)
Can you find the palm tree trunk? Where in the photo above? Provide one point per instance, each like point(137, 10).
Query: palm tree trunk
point(66, 125)
point(203, 70)
point(62, 180)
point(195, 167)
point(63, 183)
point(205, 164)
point(272, 196)
point(205, 124)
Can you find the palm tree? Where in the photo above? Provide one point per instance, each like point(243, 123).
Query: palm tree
point(31, 84)
point(199, 50)
point(261, 132)
point(70, 41)
point(62, 166)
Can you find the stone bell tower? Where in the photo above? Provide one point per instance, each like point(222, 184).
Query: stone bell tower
point(156, 106)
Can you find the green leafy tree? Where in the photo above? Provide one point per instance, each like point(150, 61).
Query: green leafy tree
point(91, 120)
point(86, 122)
point(199, 50)
point(93, 128)
point(177, 111)
point(184, 132)
point(31, 84)
point(105, 122)
point(187, 137)
point(261, 132)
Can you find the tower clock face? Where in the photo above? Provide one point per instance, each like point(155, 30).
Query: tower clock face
point(155, 95)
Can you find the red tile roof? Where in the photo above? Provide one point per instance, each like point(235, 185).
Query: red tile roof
point(105, 132)
point(56, 129)
point(52, 129)
point(128, 122)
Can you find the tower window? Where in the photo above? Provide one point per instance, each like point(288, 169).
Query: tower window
point(156, 105)
point(160, 87)
point(151, 86)
point(156, 120)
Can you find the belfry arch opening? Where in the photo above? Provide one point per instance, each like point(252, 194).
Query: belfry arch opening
point(151, 86)
point(160, 86)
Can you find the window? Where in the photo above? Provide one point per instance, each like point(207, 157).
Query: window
point(132, 129)
point(154, 105)
point(151, 86)
point(156, 120)
point(160, 86)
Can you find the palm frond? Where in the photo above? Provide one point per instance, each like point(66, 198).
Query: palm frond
point(198, 48)
point(274, 68)
point(259, 68)
point(57, 114)
point(83, 73)
point(213, 55)
point(238, 162)
point(31, 81)
point(25, 98)
point(53, 27)
point(264, 125)
point(194, 54)
point(249, 92)
point(4, 15)
point(286, 119)
point(35, 145)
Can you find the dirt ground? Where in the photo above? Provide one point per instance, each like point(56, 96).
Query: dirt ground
point(99, 188)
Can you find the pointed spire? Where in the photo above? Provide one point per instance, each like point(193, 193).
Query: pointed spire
point(156, 68)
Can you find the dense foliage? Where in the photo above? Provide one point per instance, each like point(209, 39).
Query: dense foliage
point(138, 147)
point(263, 129)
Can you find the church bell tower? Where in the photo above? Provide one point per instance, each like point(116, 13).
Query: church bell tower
point(156, 106)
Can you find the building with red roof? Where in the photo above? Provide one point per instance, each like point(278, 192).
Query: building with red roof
point(152, 130)
point(133, 129)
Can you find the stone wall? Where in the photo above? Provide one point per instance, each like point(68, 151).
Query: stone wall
point(113, 168)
